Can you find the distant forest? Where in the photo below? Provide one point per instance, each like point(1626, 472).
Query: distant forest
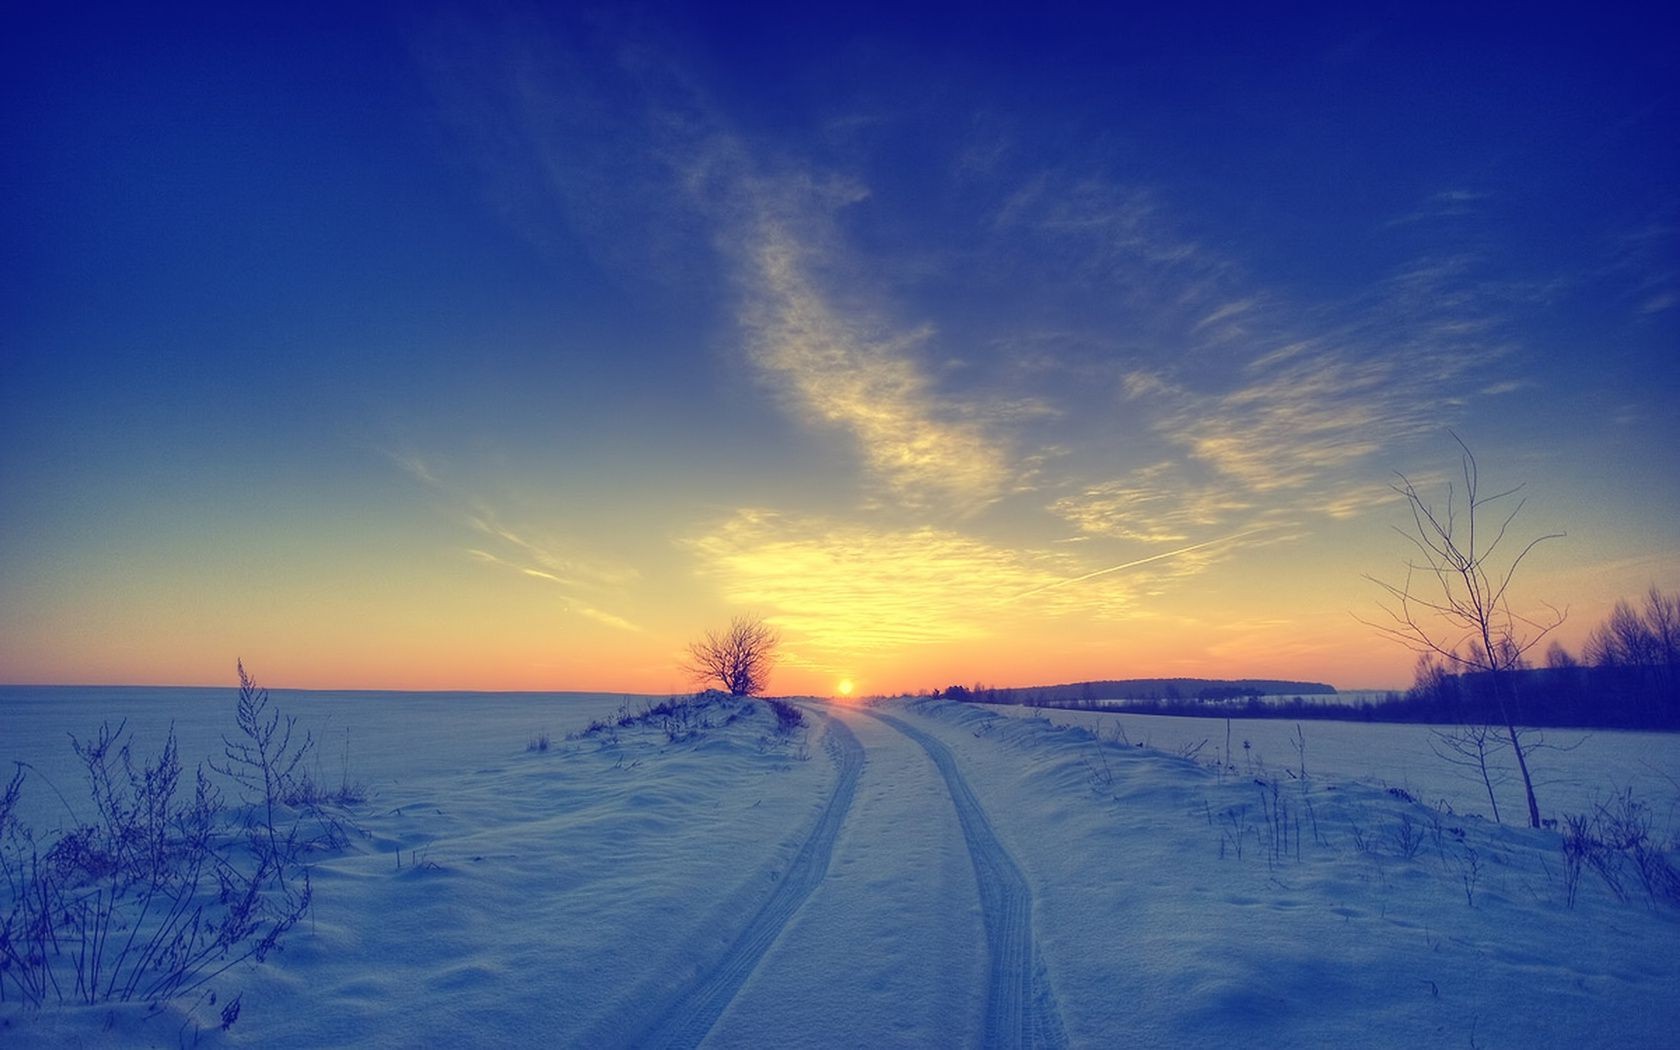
point(1169, 690)
point(1583, 697)
point(1627, 677)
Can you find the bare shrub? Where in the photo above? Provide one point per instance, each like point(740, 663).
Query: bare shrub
point(1408, 837)
point(152, 898)
point(1473, 747)
point(1235, 828)
point(1099, 774)
point(1615, 841)
point(788, 716)
point(286, 813)
point(1470, 873)
point(680, 718)
point(147, 902)
point(1274, 810)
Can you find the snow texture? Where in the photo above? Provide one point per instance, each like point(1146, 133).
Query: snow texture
point(905, 874)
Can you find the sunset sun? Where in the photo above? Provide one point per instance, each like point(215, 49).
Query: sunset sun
point(845, 687)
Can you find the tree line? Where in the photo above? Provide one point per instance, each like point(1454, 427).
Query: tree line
point(1627, 676)
point(1103, 693)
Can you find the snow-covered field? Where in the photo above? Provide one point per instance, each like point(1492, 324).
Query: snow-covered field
point(906, 874)
point(1574, 769)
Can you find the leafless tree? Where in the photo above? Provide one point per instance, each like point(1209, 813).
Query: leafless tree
point(1454, 601)
point(1631, 638)
point(1645, 644)
point(1473, 747)
point(1558, 658)
point(1625, 639)
point(737, 660)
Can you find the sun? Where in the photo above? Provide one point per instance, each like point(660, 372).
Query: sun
point(845, 687)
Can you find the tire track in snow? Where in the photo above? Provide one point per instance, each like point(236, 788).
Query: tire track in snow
point(696, 1007)
point(1020, 1006)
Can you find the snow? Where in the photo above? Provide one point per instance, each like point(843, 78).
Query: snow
point(1573, 768)
point(1152, 936)
point(904, 874)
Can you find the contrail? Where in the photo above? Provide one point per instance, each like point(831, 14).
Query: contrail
point(1134, 564)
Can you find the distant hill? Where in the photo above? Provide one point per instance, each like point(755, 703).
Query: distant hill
point(1139, 689)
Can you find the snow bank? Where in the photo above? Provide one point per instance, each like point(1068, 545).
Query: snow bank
point(1176, 903)
point(508, 897)
point(694, 875)
point(1577, 769)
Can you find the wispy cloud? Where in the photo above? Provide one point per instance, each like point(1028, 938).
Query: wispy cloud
point(1182, 552)
point(1253, 405)
point(1307, 397)
point(414, 467)
point(607, 618)
point(1225, 312)
point(579, 579)
point(812, 326)
point(569, 600)
point(1153, 504)
point(557, 562)
point(847, 587)
point(1286, 402)
point(1117, 239)
point(1325, 390)
point(1242, 406)
point(1447, 204)
point(1293, 423)
point(845, 369)
point(1637, 265)
point(1506, 386)
point(1354, 499)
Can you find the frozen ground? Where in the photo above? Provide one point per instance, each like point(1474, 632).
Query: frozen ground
point(902, 875)
point(1573, 769)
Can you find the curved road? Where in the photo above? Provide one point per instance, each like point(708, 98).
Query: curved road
point(694, 1009)
point(1020, 1006)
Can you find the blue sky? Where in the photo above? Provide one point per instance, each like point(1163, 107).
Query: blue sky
point(511, 349)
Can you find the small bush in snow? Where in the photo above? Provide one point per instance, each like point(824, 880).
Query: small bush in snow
point(1615, 841)
point(285, 812)
point(788, 717)
point(1408, 837)
point(681, 718)
point(154, 898)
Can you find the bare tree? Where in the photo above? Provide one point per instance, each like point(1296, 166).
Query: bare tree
point(1558, 658)
point(1645, 647)
point(1454, 601)
point(1473, 747)
point(737, 660)
point(1433, 684)
point(1624, 640)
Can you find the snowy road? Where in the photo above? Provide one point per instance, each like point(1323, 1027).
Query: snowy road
point(1020, 1006)
point(954, 922)
point(691, 1015)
